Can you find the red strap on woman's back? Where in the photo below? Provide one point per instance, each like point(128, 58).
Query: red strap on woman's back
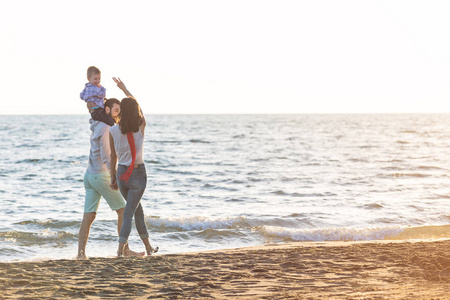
point(128, 172)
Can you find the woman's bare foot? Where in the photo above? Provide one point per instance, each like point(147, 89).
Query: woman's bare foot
point(128, 252)
point(152, 250)
point(148, 247)
point(120, 251)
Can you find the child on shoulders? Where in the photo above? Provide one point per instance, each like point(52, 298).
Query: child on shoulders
point(94, 95)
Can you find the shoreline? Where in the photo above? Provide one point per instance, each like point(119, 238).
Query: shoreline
point(406, 269)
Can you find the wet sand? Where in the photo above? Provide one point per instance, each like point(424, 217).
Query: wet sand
point(331, 270)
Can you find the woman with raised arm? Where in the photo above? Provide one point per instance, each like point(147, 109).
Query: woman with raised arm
point(127, 141)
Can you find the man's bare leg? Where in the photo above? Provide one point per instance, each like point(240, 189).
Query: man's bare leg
point(126, 249)
point(83, 235)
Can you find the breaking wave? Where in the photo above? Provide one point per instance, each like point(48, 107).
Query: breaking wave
point(355, 234)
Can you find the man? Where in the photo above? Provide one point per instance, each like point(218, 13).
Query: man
point(97, 178)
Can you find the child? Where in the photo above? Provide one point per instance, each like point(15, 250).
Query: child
point(94, 94)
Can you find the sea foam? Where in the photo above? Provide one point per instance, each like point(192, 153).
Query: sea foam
point(194, 223)
point(330, 234)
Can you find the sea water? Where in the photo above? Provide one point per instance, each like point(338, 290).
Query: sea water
point(226, 181)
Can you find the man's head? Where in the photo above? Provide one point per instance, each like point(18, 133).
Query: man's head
point(94, 75)
point(112, 108)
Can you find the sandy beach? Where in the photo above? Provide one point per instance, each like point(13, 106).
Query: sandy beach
point(328, 270)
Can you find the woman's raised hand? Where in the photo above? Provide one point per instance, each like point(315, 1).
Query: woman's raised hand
point(120, 83)
point(122, 86)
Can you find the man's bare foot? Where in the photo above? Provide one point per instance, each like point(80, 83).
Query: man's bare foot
point(128, 252)
point(82, 256)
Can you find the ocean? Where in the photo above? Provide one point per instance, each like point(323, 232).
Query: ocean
point(227, 181)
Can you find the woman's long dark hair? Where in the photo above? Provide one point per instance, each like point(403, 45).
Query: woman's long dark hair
point(130, 115)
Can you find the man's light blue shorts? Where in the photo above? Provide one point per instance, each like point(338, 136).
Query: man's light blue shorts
point(97, 185)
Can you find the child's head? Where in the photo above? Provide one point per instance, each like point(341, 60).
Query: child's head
point(93, 75)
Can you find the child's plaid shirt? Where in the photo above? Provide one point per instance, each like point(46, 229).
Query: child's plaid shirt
point(92, 93)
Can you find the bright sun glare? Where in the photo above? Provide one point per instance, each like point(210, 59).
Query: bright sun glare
point(230, 56)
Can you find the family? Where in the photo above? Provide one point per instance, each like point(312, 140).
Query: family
point(116, 167)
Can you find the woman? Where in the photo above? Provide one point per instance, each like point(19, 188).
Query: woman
point(126, 142)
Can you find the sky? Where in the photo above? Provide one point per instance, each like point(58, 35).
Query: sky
point(222, 57)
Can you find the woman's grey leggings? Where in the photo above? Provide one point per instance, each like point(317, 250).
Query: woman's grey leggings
point(132, 192)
